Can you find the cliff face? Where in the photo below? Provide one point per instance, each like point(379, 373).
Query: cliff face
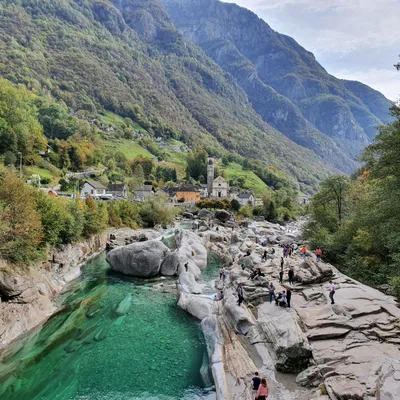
point(28, 298)
point(284, 82)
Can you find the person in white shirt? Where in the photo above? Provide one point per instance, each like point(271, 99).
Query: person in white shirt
point(331, 291)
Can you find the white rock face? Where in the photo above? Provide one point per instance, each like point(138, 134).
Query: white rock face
point(199, 307)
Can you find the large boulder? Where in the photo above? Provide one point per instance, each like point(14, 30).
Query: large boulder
point(205, 214)
point(141, 259)
point(282, 331)
point(311, 271)
point(222, 215)
point(171, 264)
point(12, 286)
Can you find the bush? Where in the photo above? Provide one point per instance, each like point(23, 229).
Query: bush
point(395, 283)
point(155, 211)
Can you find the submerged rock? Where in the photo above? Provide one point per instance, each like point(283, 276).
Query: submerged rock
point(141, 259)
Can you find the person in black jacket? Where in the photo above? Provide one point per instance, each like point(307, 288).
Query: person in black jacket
point(288, 296)
point(291, 276)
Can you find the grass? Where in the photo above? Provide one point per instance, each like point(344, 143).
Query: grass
point(253, 182)
point(44, 173)
point(130, 148)
point(115, 120)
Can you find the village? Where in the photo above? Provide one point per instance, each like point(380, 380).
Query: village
point(185, 194)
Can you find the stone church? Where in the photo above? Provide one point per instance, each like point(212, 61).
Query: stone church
point(217, 187)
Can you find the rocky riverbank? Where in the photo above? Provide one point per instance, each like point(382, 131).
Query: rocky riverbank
point(349, 350)
point(28, 297)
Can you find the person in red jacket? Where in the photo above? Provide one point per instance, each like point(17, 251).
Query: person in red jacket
point(318, 254)
point(262, 392)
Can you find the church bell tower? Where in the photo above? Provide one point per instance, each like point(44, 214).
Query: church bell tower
point(210, 175)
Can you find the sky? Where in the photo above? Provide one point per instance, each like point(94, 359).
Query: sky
point(351, 39)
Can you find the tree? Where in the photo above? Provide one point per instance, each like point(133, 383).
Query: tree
point(332, 193)
point(21, 230)
point(95, 217)
point(145, 163)
point(155, 211)
point(196, 164)
point(20, 129)
point(235, 205)
point(9, 158)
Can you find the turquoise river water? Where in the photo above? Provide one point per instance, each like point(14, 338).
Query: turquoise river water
point(114, 338)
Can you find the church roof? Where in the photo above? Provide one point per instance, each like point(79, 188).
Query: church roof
point(220, 178)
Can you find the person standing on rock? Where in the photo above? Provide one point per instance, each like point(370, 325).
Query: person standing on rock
point(281, 276)
point(264, 257)
point(240, 294)
point(262, 392)
point(331, 291)
point(255, 383)
point(291, 276)
point(221, 273)
point(318, 254)
point(186, 267)
point(282, 262)
point(303, 251)
point(271, 290)
point(288, 296)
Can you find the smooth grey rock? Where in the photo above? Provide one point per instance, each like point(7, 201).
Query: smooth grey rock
point(141, 259)
point(170, 265)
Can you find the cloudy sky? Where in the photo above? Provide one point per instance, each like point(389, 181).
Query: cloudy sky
point(352, 39)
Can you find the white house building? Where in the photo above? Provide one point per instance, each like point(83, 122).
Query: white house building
point(93, 189)
point(245, 199)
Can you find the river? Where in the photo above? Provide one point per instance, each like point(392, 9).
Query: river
point(114, 338)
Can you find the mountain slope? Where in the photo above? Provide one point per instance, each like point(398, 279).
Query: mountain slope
point(126, 57)
point(283, 81)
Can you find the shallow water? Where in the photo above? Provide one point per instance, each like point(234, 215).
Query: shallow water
point(115, 338)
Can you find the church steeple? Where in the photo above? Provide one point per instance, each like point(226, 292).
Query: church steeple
point(210, 175)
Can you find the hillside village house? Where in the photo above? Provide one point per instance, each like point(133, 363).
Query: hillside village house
point(189, 194)
point(142, 192)
point(245, 199)
point(93, 189)
point(117, 189)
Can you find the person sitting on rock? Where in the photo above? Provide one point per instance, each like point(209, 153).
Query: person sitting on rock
point(272, 251)
point(282, 300)
point(221, 273)
point(253, 274)
point(243, 266)
point(248, 253)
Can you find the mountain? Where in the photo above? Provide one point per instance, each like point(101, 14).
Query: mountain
point(126, 56)
point(287, 87)
point(233, 86)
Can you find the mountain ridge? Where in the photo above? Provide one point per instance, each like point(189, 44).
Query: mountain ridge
point(265, 61)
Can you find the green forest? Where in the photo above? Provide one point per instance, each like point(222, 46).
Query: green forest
point(356, 220)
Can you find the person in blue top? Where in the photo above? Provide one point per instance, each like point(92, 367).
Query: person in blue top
point(255, 383)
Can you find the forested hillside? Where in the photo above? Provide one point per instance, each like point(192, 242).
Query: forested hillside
point(284, 82)
point(127, 58)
